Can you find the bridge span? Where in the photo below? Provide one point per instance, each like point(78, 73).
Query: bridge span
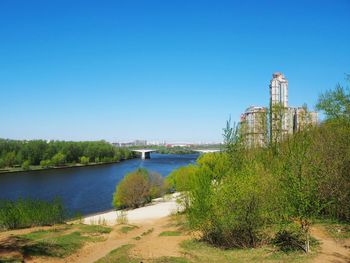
point(145, 153)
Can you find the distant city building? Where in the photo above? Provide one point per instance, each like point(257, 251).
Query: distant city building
point(279, 90)
point(129, 144)
point(303, 118)
point(283, 120)
point(140, 142)
point(253, 126)
point(280, 114)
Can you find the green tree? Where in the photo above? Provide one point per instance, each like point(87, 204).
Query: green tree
point(156, 183)
point(335, 103)
point(10, 158)
point(300, 182)
point(133, 190)
point(58, 159)
point(26, 165)
point(84, 160)
point(181, 178)
point(45, 163)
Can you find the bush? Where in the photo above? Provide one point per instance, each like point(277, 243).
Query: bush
point(132, 191)
point(84, 160)
point(181, 179)
point(156, 185)
point(30, 212)
point(58, 159)
point(287, 240)
point(138, 188)
point(231, 212)
point(107, 159)
point(45, 163)
point(26, 165)
point(2, 163)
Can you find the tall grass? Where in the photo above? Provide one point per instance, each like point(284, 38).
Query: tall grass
point(27, 212)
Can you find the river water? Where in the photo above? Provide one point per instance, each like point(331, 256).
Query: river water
point(84, 189)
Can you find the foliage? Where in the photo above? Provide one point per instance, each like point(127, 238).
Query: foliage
point(29, 212)
point(155, 182)
point(290, 238)
point(138, 188)
point(231, 210)
point(45, 163)
point(180, 179)
point(26, 165)
point(236, 195)
point(84, 160)
point(15, 152)
point(132, 191)
point(335, 103)
point(174, 150)
point(58, 159)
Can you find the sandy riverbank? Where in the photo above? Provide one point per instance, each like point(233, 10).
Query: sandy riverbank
point(160, 207)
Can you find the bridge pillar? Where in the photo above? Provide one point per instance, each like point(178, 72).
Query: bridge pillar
point(145, 155)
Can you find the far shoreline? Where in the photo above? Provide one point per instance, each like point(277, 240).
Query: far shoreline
point(61, 167)
point(38, 168)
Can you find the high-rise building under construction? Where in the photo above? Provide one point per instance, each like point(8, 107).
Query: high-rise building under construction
point(281, 117)
point(257, 127)
point(253, 125)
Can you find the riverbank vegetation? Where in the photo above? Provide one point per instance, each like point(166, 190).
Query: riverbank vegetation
point(138, 188)
point(28, 212)
point(246, 198)
point(18, 155)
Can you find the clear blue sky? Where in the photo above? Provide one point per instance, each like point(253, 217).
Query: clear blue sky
point(160, 70)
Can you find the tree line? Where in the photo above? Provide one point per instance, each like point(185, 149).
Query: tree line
point(16, 153)
point(246, 197)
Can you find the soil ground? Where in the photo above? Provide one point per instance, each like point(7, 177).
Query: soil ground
point(150, 245)
point(331, 250)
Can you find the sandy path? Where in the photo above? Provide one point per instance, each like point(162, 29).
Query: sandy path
point(154, 246)
point(332, 250)
point(150, 246)
point(163, 207)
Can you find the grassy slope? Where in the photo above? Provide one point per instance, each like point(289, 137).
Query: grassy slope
point(59, 241)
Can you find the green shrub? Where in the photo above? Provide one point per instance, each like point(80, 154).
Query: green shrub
point(132, 191)
point(138, 188)
point(231, 212)
point(180, 179)
point(45, 163)
point(2, 163)
point(289, 241)
point(84, 160)
point(26, 165)
point(58, 159)
point(29, 212)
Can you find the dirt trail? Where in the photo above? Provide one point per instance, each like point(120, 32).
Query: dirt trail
point(154, 246)
point(150, 245)
point(337, 251)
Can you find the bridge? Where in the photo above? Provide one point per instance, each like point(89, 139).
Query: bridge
point(145, 153)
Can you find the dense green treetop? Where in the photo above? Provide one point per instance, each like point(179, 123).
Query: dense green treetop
point(56, 153)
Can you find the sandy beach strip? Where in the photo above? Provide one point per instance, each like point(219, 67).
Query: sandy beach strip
point(160, 207)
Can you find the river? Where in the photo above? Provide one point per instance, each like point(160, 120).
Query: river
point(87, 189)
